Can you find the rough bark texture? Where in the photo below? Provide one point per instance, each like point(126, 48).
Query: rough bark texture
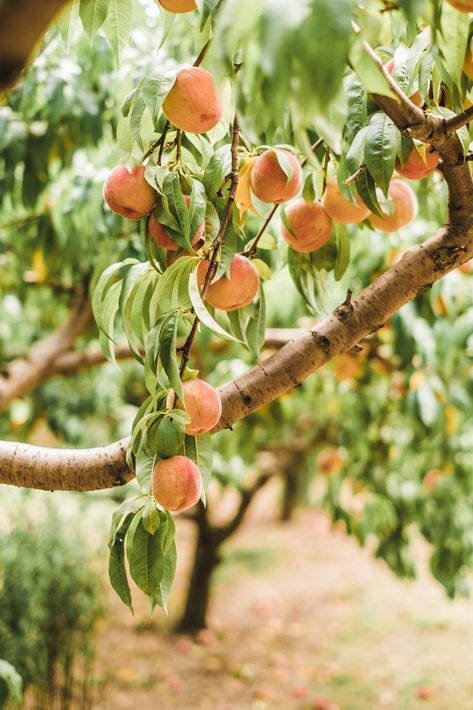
point(22, 23)
point(347, 326)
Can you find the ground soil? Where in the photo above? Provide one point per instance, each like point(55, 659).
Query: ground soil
point(301, 617)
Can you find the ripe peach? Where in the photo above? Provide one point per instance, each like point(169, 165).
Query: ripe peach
point(239, 290)
point(468, 63)
point(203, 405)
point(415, 168)
point(270, 183)
point(161, 236)
point(329, 461)
point(178, 6)
point(416, 98)
point(405, 208)
point(127, 193)
point(339, 208)
point(462, 5)
point(194, 103)
point(310, 226)
point(176, 483)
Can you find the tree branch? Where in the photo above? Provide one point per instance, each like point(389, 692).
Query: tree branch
point(222, 532)
point(24, 374)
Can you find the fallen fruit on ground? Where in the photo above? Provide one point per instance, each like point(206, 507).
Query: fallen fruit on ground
point(202, 404)
point(161, 236)
point(194, 103)
point(235, 291)
point(415, 167)
point(176, 483)
point(127, 193)
point(404, 208)
point(270, 183)
point(309, 226)
point(339, 208)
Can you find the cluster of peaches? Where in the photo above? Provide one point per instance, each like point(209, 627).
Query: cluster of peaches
point(194, 105)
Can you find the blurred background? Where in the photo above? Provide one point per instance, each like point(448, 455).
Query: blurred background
point(330, 567)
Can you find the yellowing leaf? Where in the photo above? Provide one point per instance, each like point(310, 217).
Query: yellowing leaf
point(243, 192)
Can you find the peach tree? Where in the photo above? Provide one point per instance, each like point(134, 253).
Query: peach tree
point(289, 132)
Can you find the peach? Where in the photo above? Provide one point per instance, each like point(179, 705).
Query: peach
point(415, 167)
point(194, 103)
point(431, 478)
point(178, 6)
point(468, 65)
point(127, 193)
point(238, 291)
point(176, 483)
point(310, 226)
point(416, 98)
point(203, 405)
point(405, 208)
point(329, 461)
point(462, 5)
point(162, 238)
point(339, 208)
point(270, 183)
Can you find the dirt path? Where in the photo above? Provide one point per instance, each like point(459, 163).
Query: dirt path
point(301, 618)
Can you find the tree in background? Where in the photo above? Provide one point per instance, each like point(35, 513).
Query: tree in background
point(324, 114)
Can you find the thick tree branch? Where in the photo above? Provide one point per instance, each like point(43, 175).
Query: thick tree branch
point(24, 374)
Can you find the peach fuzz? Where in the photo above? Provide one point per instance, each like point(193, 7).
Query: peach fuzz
point(270, 183)
point(238, 291)
point(202, 404)
point(194, 103)
point(310, 226)
point(405, 208)
point(176, 483)
point(415, 167)
point(339, 208)
point(416, 98)
point(178, 6)
point(161, 236)
point(127, 193)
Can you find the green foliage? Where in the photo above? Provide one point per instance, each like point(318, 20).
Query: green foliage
point(11, 685)
point(49, 605)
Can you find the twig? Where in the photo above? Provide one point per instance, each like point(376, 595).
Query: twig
point(356, 175)
point(216, 243)
point(453, 124)
point(250, 251)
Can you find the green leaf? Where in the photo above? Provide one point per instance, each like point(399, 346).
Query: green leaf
point(145, 557)
point(380, 149)
point(357, 116)
point(202, 312)
point(117, 26)
point(455, 29)
point(150, 517)
point(172, 289)
point(368, 71)
point(168, 355)
point(93, 14)
point(255, 332)
point(342, 239)
point(144, 465)
point(116, 564)
point(216, 171)
point(367, 191)
point(11, 685)
point(284, 162)
point(199, 449)
point(161, 596)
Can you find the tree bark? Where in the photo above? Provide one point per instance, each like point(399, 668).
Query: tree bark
point(206, 559)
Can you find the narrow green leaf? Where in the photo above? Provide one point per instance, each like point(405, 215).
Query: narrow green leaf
point(202, 312)
point(93, 14)
point(145, 558)
point(256, 327)
point(380, 149)
point(117, 26)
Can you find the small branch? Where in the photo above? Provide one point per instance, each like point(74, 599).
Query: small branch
point(216, 243)
point(452, 125)
point(225, 531)
point(178, 145)
point(250, 251)
point(355, 176)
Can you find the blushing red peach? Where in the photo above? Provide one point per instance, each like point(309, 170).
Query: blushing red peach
point(176, 483)
point(161, 236)
point(462, 5)
point(405, 208)
point(339, 208)
point(127, 192)
point(178, 6)
point(270, 183)
point(415, 167)
point(202, 404)
point(310, 226)
point(234, 292)
point(194, 103)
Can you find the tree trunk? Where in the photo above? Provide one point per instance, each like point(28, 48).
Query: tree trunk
point(206, 559)
point(290, 493)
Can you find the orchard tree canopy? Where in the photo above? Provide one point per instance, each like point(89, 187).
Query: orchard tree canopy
point(319, 114)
